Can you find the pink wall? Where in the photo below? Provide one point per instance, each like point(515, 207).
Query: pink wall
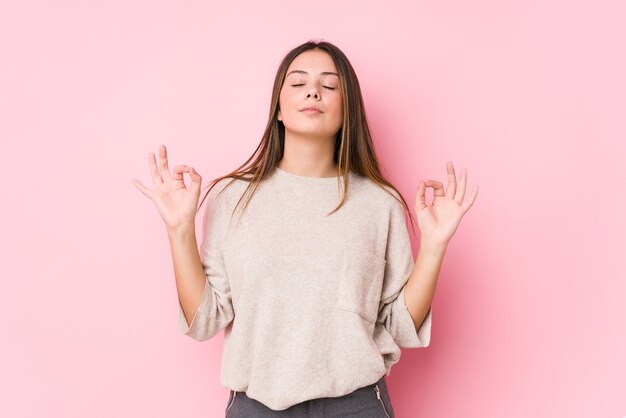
point(530, 96)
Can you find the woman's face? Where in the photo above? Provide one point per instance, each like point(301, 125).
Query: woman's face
point(311, 81)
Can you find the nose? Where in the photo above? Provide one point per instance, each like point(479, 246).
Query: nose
point(312, 93)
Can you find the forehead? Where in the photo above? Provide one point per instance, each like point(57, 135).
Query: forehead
point(313, 61)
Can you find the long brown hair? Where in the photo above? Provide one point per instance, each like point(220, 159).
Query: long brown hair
point(354, 150)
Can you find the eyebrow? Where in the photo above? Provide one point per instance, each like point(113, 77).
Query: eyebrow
point(304, 72)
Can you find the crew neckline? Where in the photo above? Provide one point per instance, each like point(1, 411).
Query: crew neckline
point(306, 179)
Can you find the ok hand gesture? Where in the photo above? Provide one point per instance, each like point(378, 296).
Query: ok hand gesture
point(176, 203)
point(439, 221)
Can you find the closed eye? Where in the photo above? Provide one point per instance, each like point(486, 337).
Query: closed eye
point(326, 87)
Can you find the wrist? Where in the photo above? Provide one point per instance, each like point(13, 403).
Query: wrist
point(432, 245)
point(181, 231)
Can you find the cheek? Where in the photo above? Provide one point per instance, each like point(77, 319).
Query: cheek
point(281, 100)
point(338, 107)
point(338, 102)
point(285, 102)
point(283, 97)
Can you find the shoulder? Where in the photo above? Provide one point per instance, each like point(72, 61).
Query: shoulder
point(380, 195)
point(227, 187)
point(224, 193)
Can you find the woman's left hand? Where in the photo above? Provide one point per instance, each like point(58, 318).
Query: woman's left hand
point(439, 221)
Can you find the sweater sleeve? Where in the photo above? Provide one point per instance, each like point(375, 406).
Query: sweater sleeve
point(392, 312)
point(215, 311)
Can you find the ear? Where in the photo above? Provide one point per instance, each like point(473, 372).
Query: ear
point(278, 116)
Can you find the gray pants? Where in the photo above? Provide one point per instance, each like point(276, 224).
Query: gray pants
point(370, 401)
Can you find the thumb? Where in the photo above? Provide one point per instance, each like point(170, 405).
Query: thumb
point(420, 199)
point(196, 178)
point(194, 174)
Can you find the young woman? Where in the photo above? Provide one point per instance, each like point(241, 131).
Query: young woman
point(305, 260)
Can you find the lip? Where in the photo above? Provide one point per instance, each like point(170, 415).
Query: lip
point(310, 110)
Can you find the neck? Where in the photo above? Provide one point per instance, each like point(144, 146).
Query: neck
point(310, 156)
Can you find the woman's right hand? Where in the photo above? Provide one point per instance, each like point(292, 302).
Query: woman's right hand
point(176, 203)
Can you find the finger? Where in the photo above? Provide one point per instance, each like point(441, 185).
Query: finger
point(196, 180)
point(156, 176)
point(420, 200)
point(462, 184)
point(437, 187)
point(165, 171)
point(193, 174)
point(470, 200)
point(451, 181)
point(143, 189)
point(178, 172)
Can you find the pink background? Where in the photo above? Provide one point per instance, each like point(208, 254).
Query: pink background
point(529, 318)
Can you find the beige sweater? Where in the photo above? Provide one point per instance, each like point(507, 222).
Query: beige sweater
point(311, 305)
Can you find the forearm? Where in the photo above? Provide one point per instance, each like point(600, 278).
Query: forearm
point(420, 288)
point(188, 270)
